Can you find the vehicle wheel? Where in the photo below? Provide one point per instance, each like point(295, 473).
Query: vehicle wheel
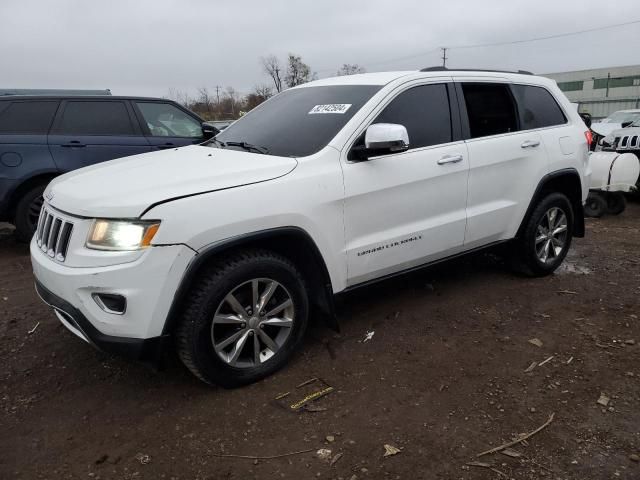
point(595, 206)
point(27, 213)
point(243, 318)
point(616, 203)
point(546, 236)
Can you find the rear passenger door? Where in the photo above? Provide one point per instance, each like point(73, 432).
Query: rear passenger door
point(24, 125)
point(408, 208)
point(167, 126)
point(505, 162)
point(86, 132)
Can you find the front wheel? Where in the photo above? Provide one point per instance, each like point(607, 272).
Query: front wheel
point(546, 236)
point(243, 319)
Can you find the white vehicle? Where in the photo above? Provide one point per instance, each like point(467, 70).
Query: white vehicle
point(615, 121)
point(229, 248)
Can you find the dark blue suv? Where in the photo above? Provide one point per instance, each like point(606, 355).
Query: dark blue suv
point(42, 137)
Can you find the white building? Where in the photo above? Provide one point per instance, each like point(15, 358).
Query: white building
point(602, 91)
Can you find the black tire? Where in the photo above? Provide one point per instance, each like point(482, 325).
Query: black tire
point(595, 206)
point(525, 253)
point(27, 212)
point(616, 203)
point(194, 332)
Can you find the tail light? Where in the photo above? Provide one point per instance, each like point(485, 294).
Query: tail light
point(589, 136)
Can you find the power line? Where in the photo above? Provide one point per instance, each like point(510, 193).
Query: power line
point(549, 37)
point(494, 44)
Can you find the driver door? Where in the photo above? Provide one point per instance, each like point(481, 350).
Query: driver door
point(167, 126)
point(408, 208)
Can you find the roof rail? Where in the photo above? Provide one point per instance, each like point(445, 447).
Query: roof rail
point(445, 69)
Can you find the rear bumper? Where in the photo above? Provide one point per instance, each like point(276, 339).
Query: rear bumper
point(134, 348)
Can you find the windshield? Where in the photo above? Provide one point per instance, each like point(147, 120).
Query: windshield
point(621, 117)
point(297, 122)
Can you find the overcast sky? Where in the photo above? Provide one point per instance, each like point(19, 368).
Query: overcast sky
point(145, 47)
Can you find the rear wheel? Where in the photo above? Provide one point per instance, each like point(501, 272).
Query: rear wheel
point(616, 203)
point(546, 236)
point(243, 319)
point(595, 206)
point(27, 213)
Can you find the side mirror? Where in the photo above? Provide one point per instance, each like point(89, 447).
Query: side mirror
point(626, 124)
point(209, 131)
point(381, 139)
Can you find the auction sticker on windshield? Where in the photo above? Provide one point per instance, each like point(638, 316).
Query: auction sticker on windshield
point(331, 108)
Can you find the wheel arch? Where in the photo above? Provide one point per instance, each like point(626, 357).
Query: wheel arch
point(291, 242)
point(566, 181)
point(24, 187)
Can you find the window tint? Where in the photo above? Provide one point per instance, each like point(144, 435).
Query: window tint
point(537, 107)
point(165, 120)
point(27, 117)
point(424, 111)
point(300, 121)
point(95, 118)
point(490, 109)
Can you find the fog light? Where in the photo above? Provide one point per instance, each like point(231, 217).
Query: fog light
point(111, 302)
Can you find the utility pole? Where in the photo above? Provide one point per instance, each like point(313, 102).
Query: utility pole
point(444, 56)
point(608, 79)
point(218, 94)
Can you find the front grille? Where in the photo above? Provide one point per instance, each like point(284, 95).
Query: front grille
point(53, 234)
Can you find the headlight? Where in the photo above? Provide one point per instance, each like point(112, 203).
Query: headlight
point(121, 234)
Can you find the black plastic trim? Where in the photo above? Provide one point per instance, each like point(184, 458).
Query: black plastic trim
point(422, 265)
point(208, 252)
point(578, 208)
point(134, 348)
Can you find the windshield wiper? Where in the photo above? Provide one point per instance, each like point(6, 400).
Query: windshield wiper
point(216, 141)
point(247, 146)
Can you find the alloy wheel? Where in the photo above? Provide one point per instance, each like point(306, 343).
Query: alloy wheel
point(252, 323)
point(551, 235)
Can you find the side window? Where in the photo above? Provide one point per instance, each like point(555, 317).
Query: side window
point(490, 109)
point(165, 120)
point(95, 118)
point(27, 117)
point(537, 107)
point(424, 111)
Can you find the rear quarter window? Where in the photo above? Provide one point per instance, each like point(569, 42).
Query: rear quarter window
point(537, 108)
point(27, 117)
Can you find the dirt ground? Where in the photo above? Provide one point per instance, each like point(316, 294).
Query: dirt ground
point(442, 379)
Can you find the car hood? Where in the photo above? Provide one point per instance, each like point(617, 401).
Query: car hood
point(626, 132)
point(126, 187)
point(605, 129)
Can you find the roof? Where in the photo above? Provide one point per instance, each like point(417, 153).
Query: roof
point(383, 78)
point(51, 91)
point(76, 97)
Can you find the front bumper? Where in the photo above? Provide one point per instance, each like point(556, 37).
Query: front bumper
point(148, 283)
point(78, 324)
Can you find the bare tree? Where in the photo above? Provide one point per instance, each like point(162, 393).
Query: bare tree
point(205, 99)
point(298, 72)
point(260, 94)
point(272, 67)
point(350, 69)
point(179, 96)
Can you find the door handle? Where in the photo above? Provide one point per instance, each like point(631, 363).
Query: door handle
point(450, 159)
point(73, 144)
point(530, 144)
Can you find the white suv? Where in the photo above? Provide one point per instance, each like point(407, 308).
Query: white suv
point(228, 248)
